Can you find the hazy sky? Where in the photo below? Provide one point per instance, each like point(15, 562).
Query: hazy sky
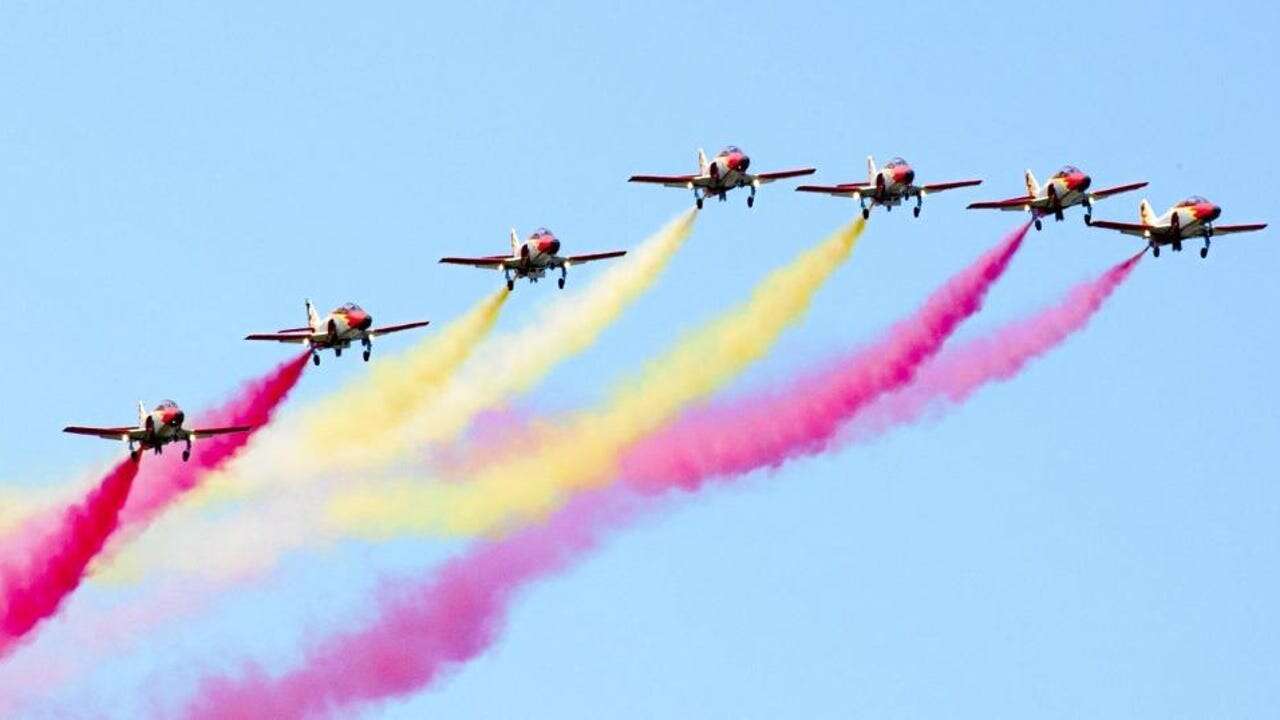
point(1096, 538)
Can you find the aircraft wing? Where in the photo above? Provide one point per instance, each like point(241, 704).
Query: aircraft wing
point(1018, 203)
point(769, 177)
point(1138, 229)
point(1108, 192)
point(589, 257)
point(206, 432)
point(676, 181)
point(284, 337)
point(1229, 229)
point(843, 190)
point(387, 330)
point(492, 262)
point(939, 187)
point(106, 433)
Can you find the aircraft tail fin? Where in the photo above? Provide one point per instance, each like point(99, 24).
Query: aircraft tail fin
point(313, 318)
point(871, 170)
point(1033, 187)
point(142, 414)
point(515, 243)
point(1145, 214)
point(702, 162)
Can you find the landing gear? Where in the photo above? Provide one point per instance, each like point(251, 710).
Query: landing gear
point(366, 354)
point(368, 348)
point(751, 199)
point(337, 351)
point(698, 202)
point(1177, 246)
point(315, 358)
point(866, 213)
point(915, 211)
point(1088, 212)
point(560, 282)
point(135, 455)
point(186, 451)
point(564, 273)
point(511, 284)
point(1204, 251)
point(1039, 225)
point(1155, 250)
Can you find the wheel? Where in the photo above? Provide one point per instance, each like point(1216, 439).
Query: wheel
point(135, 455)
point(367, 353)
point(1088, 219)
point(315, 358)
point(1155, 251)
point(337, 352)
point(915, 211)
point(186, 455)
point(698, 202)
point(1204, 253)
point(751, 201)
point(1039, 225)
point(866, 213)
point(561, 283)
point(511, 285)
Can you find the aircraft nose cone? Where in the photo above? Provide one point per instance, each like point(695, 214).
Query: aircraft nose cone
point(1084, 183)
point(744, 162)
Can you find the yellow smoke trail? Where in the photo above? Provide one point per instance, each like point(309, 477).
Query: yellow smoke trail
point(567, 327)
point(583, 452)
point(509, 365)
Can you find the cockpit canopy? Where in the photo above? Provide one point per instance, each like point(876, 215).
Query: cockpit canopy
point(896, 162)
point(1193, 200)
point(729, 150)
point(542, 232)
point(351, 307)
point(1067, 170)
point(167, 405)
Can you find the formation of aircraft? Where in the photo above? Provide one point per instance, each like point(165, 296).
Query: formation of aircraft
point(155, 429)
point(726, 171)
point(1065, 188)
point(532, 258)
point(1190, 218)
point(888, 187)
point(336, 331)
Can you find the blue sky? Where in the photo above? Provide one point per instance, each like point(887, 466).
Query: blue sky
point(1097, 537)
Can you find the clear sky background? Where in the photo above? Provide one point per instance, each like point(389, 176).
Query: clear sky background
point(1097, 538)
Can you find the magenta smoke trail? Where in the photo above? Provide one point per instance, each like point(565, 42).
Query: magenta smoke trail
point(32, 587)
point(254, 405)
point(420, 631)
point(998, 356)
point(765, 430)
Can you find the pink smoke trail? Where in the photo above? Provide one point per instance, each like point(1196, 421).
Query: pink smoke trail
point(765, 430)
point(32, 587)
point(254, 405)
point(421, 631)
point(957, 373)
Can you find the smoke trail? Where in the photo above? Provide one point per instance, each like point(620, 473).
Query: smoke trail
point(394, 390)
point(584, 452)
point(255, 405)
point(765, 429)
point(566, 328)
point(956, 374)
point(420, 631)
point(511, 365)
point(33, 585)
